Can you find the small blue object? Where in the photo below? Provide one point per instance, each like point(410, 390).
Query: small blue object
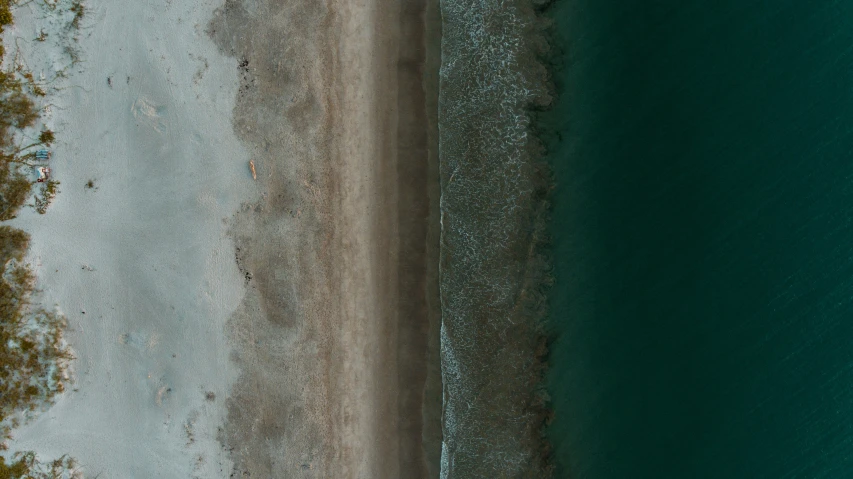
point(42, 155)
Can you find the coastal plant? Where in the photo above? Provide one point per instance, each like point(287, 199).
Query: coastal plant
point(79, 10)
point(45, 196)
point(33, 355)
point(5, 14)
point(46, 137)
point(73, 54)
point(27, 466)
point(18, 112)
point(35, 88)
point(50, 4)
point(14, 188)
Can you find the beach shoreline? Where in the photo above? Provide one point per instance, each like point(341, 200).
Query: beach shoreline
point(336, 252)
point(495, 269)
point(433, 394)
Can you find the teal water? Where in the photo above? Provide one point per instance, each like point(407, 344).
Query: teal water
point(702, 229)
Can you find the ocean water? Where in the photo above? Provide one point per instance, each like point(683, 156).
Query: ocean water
point(492, 271)
point(702, 228)
point(699, 233)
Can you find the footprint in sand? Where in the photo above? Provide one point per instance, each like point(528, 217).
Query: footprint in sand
point(149, 114)
point(163, 394)
point(140, 341)
point(162, 388)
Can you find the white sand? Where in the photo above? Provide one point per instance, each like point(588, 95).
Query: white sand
point(328, 326)
point(145, 253)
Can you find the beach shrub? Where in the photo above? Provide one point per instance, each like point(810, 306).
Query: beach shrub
point(46, 194)
point(32, 359)
point(5, 14)
point(17, 111)
point(15, 188)
point(33, 356)
point(46, 137)
point(27, 466)
point(78, 9)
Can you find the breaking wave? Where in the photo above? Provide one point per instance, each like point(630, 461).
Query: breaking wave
point(493, 221)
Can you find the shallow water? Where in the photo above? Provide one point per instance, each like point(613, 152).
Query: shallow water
point(701, 238)
point(492, 222)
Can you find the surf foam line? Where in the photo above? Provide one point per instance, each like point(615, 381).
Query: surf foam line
point(492, 269)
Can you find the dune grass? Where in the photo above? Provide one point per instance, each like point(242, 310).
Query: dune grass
point(33, 358)
point(5, 14)
point(27, 466)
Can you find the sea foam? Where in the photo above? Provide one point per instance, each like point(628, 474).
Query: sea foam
point(493, 213)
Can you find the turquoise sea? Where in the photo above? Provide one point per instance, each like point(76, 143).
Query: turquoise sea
point(702, 228)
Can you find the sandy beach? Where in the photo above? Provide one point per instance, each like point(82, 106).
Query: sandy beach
point(226, 326)
point(332, 331)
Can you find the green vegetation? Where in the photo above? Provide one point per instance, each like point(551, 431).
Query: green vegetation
point(33, 357)
point(14, 189)
point(78, 9)
point(17, 110)
point(27, 466)
point(35, 88)
point(46, 137)
point(45, 195)
point(5, 14)
point(17, 113)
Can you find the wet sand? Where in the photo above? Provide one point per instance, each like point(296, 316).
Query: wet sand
point(332, 337)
